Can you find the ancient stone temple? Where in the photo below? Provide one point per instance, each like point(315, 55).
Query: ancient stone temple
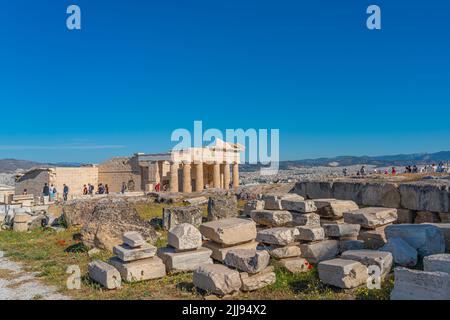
point(193, 169)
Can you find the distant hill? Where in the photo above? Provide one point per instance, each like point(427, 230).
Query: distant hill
point(394, 160)
point(13, 165)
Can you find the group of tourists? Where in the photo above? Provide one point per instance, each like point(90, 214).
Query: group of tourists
point(50, 192)
point(89, 189)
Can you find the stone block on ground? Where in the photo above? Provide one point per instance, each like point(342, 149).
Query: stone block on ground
point(184, 237)
point(334, 209)
point(427, 239)
point(320, 251)
point(341, 230)
point(297, 205)
point(222, 206)
point(271, 218)
point(380, 194)
point(196, 201)
point(420, 285)
point(427, 216)
point(184, 261)
point(295, 265)
point(445, 228)
point(280, 252)
point(345, 245)
point(105, 274)
point(425, 196)
point(229, 231)
point(273, 201)
point(219, 252)
point(404, 255)
point(305, 219)
point(140, 270)
point(259, 280)
point(278, 236)
point(247, 260)
point(133, 239)
point(174, 216)
point(371, 217)
point(437, 262)
point(371, 257)
point(217, 279)
point(341, 273)
point(444, 217)
point(253, 205)
point(405, 216)
point(310, 233)
point(127, 253)
point(373, 239)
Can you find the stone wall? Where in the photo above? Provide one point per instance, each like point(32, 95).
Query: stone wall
point(33, 181)
point(74, 178)
point(121, 169)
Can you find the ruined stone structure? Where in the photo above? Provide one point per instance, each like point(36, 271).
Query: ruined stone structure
point(115, 171)
point(6, 193)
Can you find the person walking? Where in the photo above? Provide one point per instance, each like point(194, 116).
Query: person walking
point(65, 192)
point(106, 189)
point(85, 190)
point(124, 188)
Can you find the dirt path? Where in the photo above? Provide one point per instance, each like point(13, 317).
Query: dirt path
point(17, 284)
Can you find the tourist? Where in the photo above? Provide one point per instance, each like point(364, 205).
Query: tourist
point(344, 171)
point(158, 187)
point(106, 189)
point(46, 190)
point(124, 188)
point(363, 171)
point(101, 189)
point(393, 171)
point(65, 192)
point(52, 193)
point(85, 190)
point(25, 192)
point(91, 189)
point(415, 169)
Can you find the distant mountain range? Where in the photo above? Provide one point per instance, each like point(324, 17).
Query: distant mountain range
point(380, 161)
point(12, 165)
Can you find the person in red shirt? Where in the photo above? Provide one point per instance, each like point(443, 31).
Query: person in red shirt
point(394, 171)
point(158, 187)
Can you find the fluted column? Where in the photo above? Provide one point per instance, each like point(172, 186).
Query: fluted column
point(226, 176)
point(235, 175)
point(216, 175)
point(174, 177)
point(187, 187)
point(199, 185)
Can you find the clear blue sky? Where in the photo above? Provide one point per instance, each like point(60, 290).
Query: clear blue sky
point(139, 69)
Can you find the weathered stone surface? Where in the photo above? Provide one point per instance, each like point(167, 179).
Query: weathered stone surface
point(77, 212)
point(307, 219)
point(217, 279)
point(273, 201)
point(427, 216)
point(334, 209)
point(371, 217)
point(259, 280)
point(295, 265)
point(345, 245)
point(310, 233)
point(405, 216)
point(280, 252)
point(140, 270)
point(314, 189)
point(133, 239)
point(427, 239)
point(445, 228)
point(253, 205)
point(110, 219)
point(420, 285)
point(404, 255)
point(297, 205)
point(437, 262)
point(222, 206)
point(342, 273)
point(184, 237)
point(371, 257)
point(196, 201)
point(105, 274)
point(247, 260)
point(319, 251)
point(127, 253)
point(373, 239)
point(184, 261)
point(271, 218)
point(219, 252)
point(348, 190)
point(174, 216)
point(229, 231)
point(444, 217)
point(21, 222)
point(380, 194)
point(425, 196)
point(279, 236)
point(341, 230)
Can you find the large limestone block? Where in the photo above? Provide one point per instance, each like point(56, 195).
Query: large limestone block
point(140, 270)
point(305, 219)
point(174, 216)
point(341, 230)
point(252, 282)
point(427, 239)
point(310, 233)
point(404, 255)
point(105, 274)
point(184, 261)
point(273, 201)
point(373, 239)
point(280, 252)
point(371, 217)
point(445, 228)
point(247, 260)
point(217, 279)
point(229, 231)
point(222, 206)
point(315, 189)
point(271, 218)
point(405, 216)
point(334, 209)
point(319, 251)
point(380, 195)
point(253, 205)
point(345, 245)
point(296, 205)
point(127, 253)
point(371, 257)
point(425, 196)
point(437, 262)
point(427, 217)
point(184, 237)
point(219, 252)
point(420, 285)
point(278, 236)
point(133, 239)
point(295, 265)
point(345, 274)
point(348, 190)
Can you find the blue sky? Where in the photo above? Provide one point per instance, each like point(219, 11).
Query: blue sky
point(140, 69)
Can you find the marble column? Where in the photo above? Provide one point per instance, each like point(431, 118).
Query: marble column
point(199, 185)
point(216, 176)
point(174, 177)
point(226, 176)
point(235, 175)
point(187, 186)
